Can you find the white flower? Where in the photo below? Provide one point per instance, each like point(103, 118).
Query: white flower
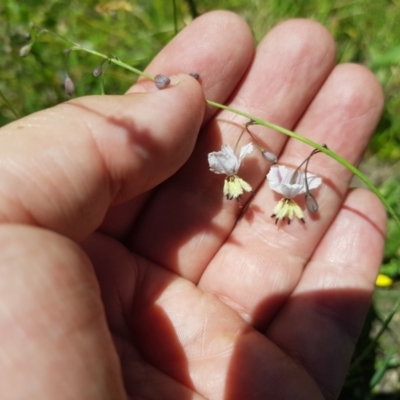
point(289, 183)
point(226, 162)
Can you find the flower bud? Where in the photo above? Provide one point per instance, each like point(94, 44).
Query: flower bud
point(161, 81)
point(311, 203)
point(271, 157)
point(195, 75)
point(98, 71)
point(25, 50)
point(69, 86)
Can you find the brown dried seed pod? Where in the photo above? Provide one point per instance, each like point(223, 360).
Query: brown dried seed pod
point(161, 81)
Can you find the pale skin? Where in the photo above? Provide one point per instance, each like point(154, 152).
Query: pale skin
point(200, 298)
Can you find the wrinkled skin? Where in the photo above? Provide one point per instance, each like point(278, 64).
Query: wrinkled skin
point(124, 271)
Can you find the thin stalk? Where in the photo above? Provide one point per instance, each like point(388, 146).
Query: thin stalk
point(374, 341)
point(78, 47)
point(237, 141)
point(175, 12)
point(113, 60)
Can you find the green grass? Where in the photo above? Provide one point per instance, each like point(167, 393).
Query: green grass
point(366, 32)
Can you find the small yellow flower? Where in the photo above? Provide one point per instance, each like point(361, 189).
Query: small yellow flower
point(383, 281)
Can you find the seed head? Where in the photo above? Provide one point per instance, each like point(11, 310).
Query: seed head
point(311, 203)
point(269, 156)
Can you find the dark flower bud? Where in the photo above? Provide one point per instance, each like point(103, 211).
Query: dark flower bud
point(269, 156)
point(69, 86)
point(311, 203)
point(195, 75)
point(98, 71)
point(161, 81)
point(25, 50)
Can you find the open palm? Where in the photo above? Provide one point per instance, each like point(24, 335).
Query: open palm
point(200, 297)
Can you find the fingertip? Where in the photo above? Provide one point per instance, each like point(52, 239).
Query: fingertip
point(362, 87)
point(304, 39)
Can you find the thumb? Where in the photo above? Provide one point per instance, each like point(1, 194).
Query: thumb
point(63, 167)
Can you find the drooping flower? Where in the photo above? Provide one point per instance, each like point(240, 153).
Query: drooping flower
point(290, 183)
point(226, 162)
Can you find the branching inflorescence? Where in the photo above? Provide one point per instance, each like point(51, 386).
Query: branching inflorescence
point(286, 181)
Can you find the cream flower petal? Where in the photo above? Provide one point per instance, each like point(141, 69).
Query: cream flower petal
point(224, 161)
point(280, 180)
point(313, 181)
point(244, 151)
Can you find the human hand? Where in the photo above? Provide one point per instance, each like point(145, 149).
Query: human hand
point(200, 298)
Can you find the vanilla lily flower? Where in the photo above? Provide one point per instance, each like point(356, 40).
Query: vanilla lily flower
point(226, 162)
point(289, 183)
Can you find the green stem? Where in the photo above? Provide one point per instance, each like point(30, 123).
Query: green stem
point(321, 148)
point(113, 60)
point(373, 342)
point(237, 142)
point(175, 12)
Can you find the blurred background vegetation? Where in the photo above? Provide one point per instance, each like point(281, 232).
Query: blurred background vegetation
point(366, 32)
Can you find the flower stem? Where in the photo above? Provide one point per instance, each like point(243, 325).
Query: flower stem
point(237, 142)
